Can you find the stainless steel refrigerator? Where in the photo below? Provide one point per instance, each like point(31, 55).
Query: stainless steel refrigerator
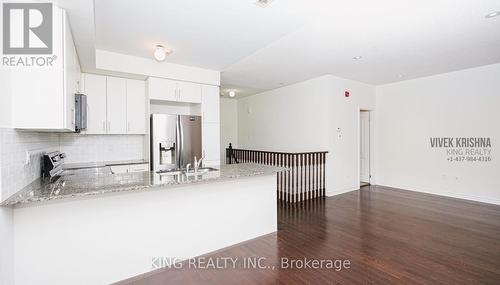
point(175, 141)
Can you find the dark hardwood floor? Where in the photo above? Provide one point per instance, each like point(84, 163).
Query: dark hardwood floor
point(390, 236)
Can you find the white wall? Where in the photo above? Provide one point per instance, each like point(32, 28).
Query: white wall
point(228, 125)
point(345, 158)
point(6, 246)
point(459, 104)
point(305, 117)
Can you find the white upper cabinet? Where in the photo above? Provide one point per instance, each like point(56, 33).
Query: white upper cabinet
point(116, 103)
point(172, 90)
point(71, 76)
point(43, 97)
point(189, 92)
point(210, 106)
point(136, 106)
point(162, 89)
point(95, 89)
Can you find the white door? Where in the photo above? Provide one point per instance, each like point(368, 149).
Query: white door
point(95, 89)
point(116, 105)
point(210, 104)
point(162, 89)
point(364, 142)
point(189, 92)
point(136, 106)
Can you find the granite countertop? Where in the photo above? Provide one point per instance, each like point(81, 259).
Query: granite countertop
point(82, 185)
point(102, 163)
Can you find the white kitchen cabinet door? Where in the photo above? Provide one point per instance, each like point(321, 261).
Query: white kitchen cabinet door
point(116, 104)
point(71, 76)
point(119, 168)
point(210, 104)
point(43, 98)
point(211, 141)
point(189, 92)
point(95, 89)
point(162, 89)
point(136, 106)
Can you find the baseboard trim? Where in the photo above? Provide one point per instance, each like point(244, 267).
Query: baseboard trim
point(338, 192)
point(441, 193)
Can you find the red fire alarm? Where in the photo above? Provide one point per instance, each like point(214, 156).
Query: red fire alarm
point(346, 93)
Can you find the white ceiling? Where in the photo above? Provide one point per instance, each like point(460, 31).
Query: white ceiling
point(293, 40)
point(207, 34)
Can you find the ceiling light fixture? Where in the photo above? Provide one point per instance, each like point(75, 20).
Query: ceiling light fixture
point(357, 57)
point(161, 53)
point(263, 3)
point(232, 93)
point(492, 14)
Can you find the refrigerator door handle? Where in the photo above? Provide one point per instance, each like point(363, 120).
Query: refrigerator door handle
point(177, 143)
point(180, 135)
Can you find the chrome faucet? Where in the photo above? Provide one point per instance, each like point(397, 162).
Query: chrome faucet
point(197, 163)
point(187, 167)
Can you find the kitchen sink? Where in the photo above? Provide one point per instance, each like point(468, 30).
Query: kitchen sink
point(87, 170)
point(202, 170)
point(169, 172)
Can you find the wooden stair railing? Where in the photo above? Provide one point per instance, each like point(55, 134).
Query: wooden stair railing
point(305, 179)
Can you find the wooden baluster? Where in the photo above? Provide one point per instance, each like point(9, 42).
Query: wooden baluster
point(320, 174)
point(289, 177)
point(324, 174)
point(301, 177)
point(309, 194)
point(316, 170)
point(297, 177)
point(278, 176)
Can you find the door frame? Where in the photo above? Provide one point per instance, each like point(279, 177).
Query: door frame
point(370, 142)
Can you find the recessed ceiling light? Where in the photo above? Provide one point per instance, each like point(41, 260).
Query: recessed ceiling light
point(232, 93)
point(401, 75)
point(492, 14)
point(161, 53)
point(263, 3)
point(357, 57)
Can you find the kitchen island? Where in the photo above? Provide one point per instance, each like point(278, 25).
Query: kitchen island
point(102, 228)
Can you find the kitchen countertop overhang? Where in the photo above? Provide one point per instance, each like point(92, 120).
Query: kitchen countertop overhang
point(88, 185)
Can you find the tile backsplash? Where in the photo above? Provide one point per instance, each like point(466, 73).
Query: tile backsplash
point(90, 148)
point(16, 145)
